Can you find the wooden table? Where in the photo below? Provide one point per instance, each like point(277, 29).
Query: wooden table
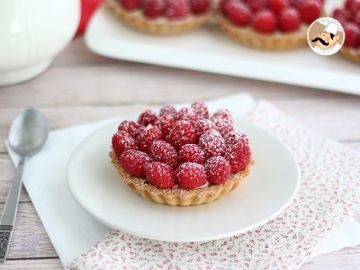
point(81, 87)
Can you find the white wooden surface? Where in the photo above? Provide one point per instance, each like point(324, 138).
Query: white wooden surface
point(81, 87)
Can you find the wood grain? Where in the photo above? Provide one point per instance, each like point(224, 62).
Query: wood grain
point(81, 87)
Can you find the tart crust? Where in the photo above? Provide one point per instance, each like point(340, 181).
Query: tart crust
point(351, 54)
point(160, 26)
point(179, 196)
point(276, 42)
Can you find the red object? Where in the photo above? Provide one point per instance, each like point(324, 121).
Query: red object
point(235, 137)
point(182, 133)
point(223, 121)
point(278, 5)
point(191, 153)
point(164, 152)
point(154, 8)
point(165, 124)
point(309, 11)
point(186, 114)
point(160, 175)
point(190, 175)
point(239, 156)
point(238, 13)
point(256, 5)
point(147, 117)
point(352, 35)
point(352, 5)
point(177, 10)
point(200, 109)
point(218, 170)
point(167, 109)
point(130, 4)
point(134, 161)
point(203, 125)
point(122, 141)
point(289, 20)
point(342, 15)
point(146, 138)
point(265, 21)
point(212, 143)
point(130, 127)
point(199, 6)
point(88, 7)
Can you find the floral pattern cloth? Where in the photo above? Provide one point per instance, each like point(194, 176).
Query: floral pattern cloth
point(329, 190)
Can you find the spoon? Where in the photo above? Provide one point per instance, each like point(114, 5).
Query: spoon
point(28, 133)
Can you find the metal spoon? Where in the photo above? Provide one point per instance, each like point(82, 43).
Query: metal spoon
point(28, 133)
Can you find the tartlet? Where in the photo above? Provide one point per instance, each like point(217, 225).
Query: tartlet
point(179, 196)
point(349, 17)
point(159, 25)
point(182, 158)
point(275, 25)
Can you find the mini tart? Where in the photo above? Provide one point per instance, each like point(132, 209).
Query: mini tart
point(277, 41)
point(351, 53)
point(179, 196)
point(159, 26)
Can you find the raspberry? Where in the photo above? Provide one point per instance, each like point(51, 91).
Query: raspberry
point(256, 5)
point(148, 117)
point(296, 3)
point(146, 138)
point(165, 123)
point(154, 8)
point(235, 137)
point(200, 109)
point(182, 133)
point(122, 141)
point(141, 130)
point(278, 5)
point(212, 143)
point(134, 161)
point(309, 11)
point(203, 125)
point(357, 19)
point(342, 15)
point(352, 5)
point(223, 121)
point(237, 12)
point(130, 127)
point(218, 170)
point(222, 6)
point(239, 156)
point(190, 175)
point(168, 109)
point(186, 114)
point(177, 10)
point(352, 35)
point(160, 175)
point(265, 22)
point(191, 153)
point(163, 152)
point(130, 4)
point(222, 114)
point(289, 20)
point(199, 6)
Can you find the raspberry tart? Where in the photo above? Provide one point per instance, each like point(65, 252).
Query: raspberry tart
point(349, 17)
point(268, 24)
point(184, 157)
point(162, 17)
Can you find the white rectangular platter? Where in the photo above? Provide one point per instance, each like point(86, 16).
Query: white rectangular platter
point(210, 50)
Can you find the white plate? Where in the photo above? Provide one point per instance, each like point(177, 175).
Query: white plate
point(95, 184)
point(208, 49)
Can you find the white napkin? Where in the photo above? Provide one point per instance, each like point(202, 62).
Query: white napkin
point(72, 230)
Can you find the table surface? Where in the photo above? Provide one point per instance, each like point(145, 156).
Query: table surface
point(81, 87)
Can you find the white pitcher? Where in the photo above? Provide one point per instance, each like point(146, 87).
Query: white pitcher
point(32, 33)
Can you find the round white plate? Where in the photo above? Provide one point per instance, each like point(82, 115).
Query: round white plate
point(268, 189)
